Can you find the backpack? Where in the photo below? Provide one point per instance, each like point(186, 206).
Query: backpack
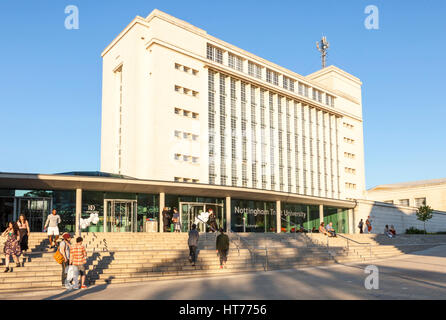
point(58, 256)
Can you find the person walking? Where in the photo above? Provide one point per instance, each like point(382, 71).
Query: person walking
point(212, 221)
point(64, 248)
point(193, 244)
point(368, 223)
point(176, 220)
point(52, 223)
point(166, 216)
point(24, 232)
point(360, 226)
point(12, 245)
point(222, 247)
point(78, 258)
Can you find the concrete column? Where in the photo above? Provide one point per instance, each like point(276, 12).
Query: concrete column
point(105, 214)
point(162, 205)
point(278, 216)
point(351, 221)
point(78, 211)
point(321, 213)
point(228, 214)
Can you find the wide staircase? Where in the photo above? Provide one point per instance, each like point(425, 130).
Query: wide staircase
point(136, 257)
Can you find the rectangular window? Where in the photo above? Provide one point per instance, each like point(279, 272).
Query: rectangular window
point(329, 100)
point(303, 89)
point(285, 83)
point(235, 62)
point(214, 53)
point(404, 202)
point(317, 95)
point(420, 202)
point(254, 70)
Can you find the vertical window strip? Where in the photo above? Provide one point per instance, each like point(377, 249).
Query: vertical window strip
point(262, 136)
point(279, 107)
point(296, 146)
point(253, 137)
point(272, 143)
point(233, 132)
point(310, 118)
point(211, 126)
point(223, 175)
point(304, 151)
point(288, 142)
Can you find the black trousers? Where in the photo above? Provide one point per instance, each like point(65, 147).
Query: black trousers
point(193, 253)
point(223, 256)
point(64, 275)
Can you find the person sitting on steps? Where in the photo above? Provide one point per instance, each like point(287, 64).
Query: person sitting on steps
point(322, 229)
point(331, 230)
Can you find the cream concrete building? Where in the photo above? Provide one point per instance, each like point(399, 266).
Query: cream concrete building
point(181, 105)
point(412, 194)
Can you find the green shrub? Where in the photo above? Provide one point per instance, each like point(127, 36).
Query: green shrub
point(413, 230)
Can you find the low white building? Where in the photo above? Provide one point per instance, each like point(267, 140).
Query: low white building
point(412, 194)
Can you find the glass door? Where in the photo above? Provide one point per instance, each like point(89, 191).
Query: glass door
point(121, 215)
point(36, 210)
point(190, 213)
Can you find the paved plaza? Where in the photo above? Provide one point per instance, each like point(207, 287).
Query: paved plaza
point(420, 275)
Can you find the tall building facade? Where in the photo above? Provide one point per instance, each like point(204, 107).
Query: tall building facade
point(181, 105)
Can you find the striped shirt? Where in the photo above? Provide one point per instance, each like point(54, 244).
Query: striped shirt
point(78, 255)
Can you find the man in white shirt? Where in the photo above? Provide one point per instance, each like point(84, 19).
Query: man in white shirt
point(52, 222)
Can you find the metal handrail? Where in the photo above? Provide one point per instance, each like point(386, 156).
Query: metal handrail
point(252, 249)
point(360, 243)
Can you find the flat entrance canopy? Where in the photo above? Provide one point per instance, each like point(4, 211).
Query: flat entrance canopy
point(65, 182)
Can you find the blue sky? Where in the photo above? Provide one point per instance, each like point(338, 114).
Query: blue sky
point(50, 88)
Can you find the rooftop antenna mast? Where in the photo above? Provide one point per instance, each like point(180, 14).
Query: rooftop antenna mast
point(323, 46)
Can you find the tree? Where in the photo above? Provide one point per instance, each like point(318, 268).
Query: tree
point(424, 213)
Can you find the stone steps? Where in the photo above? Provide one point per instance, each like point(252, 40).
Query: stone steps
point(147, 257)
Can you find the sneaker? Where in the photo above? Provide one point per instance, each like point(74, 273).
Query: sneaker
point(193, 264)
point(84, 287)
point(221, 267)
point(7, 269)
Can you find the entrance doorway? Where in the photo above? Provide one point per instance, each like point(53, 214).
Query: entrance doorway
point(36, 210)
point(120, 215)
point(190, 213)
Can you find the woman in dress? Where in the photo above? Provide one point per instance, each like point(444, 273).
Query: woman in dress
point(12, 245)
point(24, 232)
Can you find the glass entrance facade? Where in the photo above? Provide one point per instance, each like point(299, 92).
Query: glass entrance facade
point(134, 212)
point(339, 218)
point(130, 214)
point(121, 215)
point(191, 207)
point(253, 216)
point(191, 213)
point(297, 216)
